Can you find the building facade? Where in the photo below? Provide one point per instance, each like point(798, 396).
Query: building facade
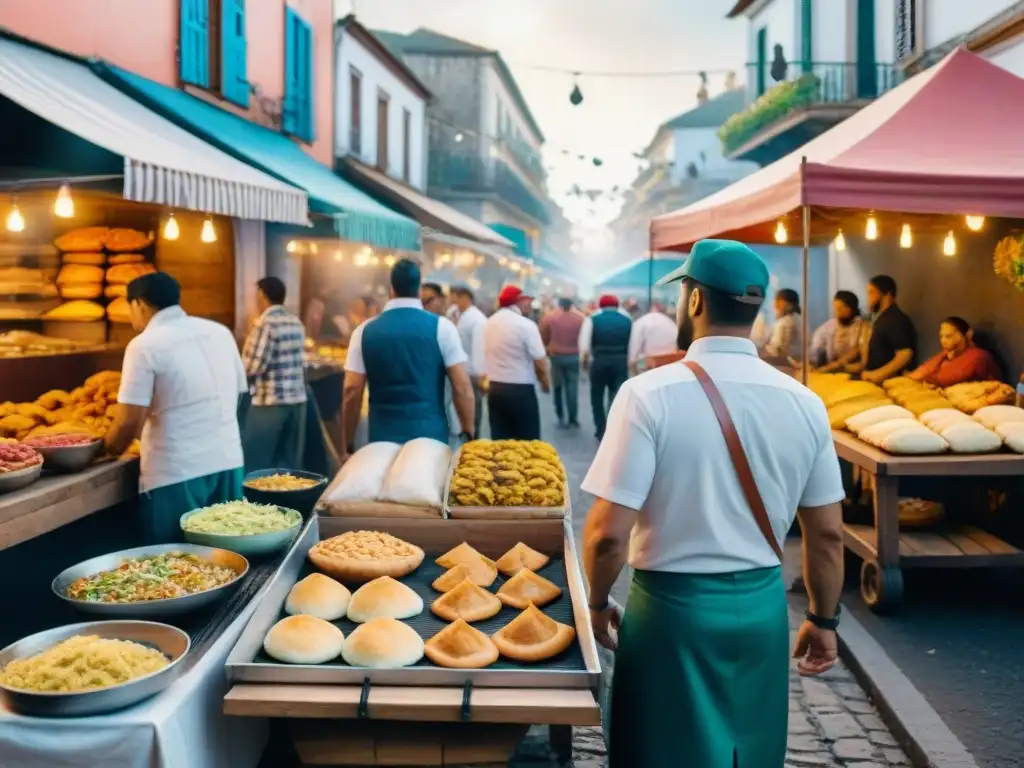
point(927, 30)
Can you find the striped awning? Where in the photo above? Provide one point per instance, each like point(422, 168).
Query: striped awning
point(163, 164)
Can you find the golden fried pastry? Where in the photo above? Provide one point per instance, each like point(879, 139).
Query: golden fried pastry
point(53, 400)
point(83, 239)
point(460, 646)
point(384, 598)
point(533, 636)
point(115, 291)
point(451, 578)
point(365, 555)
point(125, 273)
point(78, 310)
point(527, 587)
point(482, 570)
point(519, 557)
point(122, 239)
point(466, 601)
point(125, 258)
point(87, 259)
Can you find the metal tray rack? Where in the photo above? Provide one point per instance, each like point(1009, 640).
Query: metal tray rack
point(577, 668)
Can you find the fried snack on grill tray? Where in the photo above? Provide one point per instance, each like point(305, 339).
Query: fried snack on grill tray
point(480, 570)
point(533, 636)
point(80, 240)
point(460, 646)
point(121, 240)
point(527, 587)
point(519, 557)
point(357, 556)
point(467, 601)
point(508, 473)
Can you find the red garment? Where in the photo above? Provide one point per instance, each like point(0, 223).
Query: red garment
point(561, 332)
point(974, 364)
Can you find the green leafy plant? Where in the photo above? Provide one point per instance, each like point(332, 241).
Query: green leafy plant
point(773, 105)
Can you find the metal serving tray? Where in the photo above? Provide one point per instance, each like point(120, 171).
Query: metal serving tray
point(576, 668)
point(500, 513)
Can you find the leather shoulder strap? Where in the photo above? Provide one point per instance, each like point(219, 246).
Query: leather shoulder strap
point(738, 455)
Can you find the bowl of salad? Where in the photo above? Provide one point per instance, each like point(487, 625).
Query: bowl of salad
point(242, 526)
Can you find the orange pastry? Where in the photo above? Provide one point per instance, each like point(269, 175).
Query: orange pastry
point(519, 557)
point(527, 587)
point(533, 636)
point(460, 646)
point(482, 570)
point(466, 601)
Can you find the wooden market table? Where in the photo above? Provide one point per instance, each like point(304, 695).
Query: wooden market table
point(886, 550)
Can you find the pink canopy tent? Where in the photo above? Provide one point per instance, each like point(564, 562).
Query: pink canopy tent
point(947, 141)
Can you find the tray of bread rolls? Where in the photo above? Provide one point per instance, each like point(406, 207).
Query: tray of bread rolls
point(424, 602)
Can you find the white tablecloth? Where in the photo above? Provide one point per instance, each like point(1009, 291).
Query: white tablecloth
point(183, 727)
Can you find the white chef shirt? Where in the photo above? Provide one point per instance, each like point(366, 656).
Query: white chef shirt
point(653, 334)
point(468, 325)
point(663, 454)
point(510, 345)
point(587, 329)
point(447, 338)
point(189, 374)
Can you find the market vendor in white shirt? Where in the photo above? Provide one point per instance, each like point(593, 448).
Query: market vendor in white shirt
point(469, 323)
point(652, 335)
point(180, 384)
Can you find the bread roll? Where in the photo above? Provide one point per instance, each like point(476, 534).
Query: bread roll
point(76, 310)
point(115, 291)
point(383, 643)
point(994, 415)
point(950, 415)
point(125, 258)
point(876, 433)
point(123, 239)
point(384, 597)
point(125, 273)
point(320, 596)
point(971, 437)
point(82, 239)
point(70, 291)
point(117, 311)
point(1012, 433)
point(862, 421)
point(303, 640)
point(86, 259)
point(79, 273)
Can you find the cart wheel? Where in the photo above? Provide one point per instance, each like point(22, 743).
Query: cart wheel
point(881, 588)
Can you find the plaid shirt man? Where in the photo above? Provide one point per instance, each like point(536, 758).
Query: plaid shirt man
point(273, 358)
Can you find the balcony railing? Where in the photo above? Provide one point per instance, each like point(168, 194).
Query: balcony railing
point(825, 84)
point(472, 173)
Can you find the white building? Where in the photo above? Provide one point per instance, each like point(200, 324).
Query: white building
point(926, 30)
point(380, 107)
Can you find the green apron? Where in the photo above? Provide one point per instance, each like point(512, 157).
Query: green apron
point(701, 672)
point(161, 508)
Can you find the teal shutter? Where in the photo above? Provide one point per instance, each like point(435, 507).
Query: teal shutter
point(298, 78)
point(194, 43)
point(760, 76)
point(806, 36)
point(234, 79)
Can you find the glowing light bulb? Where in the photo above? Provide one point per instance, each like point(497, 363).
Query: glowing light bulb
point(502, 261)
point(840, 241)
point(312, 247)
point(338, 256)
point(64, 206)
point(208, 233)
point(389, 260)
point(949, 245)
point(292, 246)
point(906, 237)
point(871, 229)
point(171, 230)
point(374, 260)
point(459, 137)
point(15, 221)
point(781, 235)
point(362, 258)
point(974, 223)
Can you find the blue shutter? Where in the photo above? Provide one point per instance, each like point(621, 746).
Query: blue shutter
point(298, 78)
point(194, 46)
point(290, 114)
point(234, 79)
point(306, 127)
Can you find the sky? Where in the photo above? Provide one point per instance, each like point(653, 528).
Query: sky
point(618, 116)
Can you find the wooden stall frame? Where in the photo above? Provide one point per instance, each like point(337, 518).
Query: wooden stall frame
point(886, 550)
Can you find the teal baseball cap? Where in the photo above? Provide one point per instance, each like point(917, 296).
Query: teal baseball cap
point(727, 265)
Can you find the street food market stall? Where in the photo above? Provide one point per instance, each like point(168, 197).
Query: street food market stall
point(927, 160)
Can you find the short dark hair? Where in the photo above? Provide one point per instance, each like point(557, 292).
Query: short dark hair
point(724, 308)
point(789, 296)
point(849, 298)
point(433, 287)
point(884, 284)
point(273, 288)
point(157, 289)
point(959, 323)
point(462, 290)
point(565, 303)
point(405, 279)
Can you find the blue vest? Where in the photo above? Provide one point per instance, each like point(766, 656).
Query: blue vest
point(611, 334)
point(405, 374)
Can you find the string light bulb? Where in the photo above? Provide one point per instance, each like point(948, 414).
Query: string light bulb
point(338, 255)
point(781, 235)
point(840, 241)
point(390, 260)
point(208, 233)
point(64, 206)
point(906, 237)
point(15, 221)
point(292, 246)
point(949, 244)
point(974, 223)
point(871, 228)
point(459, 137)
point(171, 230)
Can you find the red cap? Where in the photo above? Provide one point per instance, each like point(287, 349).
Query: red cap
point(511, 294)
point(608, 300)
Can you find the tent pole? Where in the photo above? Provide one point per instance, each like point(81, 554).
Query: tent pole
point(650, 269)
point(804, 334)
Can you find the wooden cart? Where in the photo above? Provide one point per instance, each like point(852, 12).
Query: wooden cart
point(886, 550)
point(421, 715)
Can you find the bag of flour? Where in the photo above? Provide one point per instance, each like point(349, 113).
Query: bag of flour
point(418, 474)
point(362, 477)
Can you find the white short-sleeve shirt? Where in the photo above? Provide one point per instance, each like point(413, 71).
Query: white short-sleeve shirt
point(653, 334)
point(447, 338)
point(664, 455)
point(511, 345)
point(188, 372)
point(469, 325)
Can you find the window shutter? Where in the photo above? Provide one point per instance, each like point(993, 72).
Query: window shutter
point(289, 117)
point(806, 36)
point(306, 130)
point(298, 102)
point(234, 79)
point(194, 43)
point(906, 28)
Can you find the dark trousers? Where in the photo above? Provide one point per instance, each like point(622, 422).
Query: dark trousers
point(513, 412)
point(478, 401)
point(273, 436)
point(607, 374)
point(565, 381)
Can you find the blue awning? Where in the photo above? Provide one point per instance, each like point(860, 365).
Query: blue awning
point(519, 238)
point(358, 217)
point(638, 274)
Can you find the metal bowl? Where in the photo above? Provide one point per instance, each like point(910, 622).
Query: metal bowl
point(302, 500)
point(170, 641)
point(250, 545)
point(15, 481)
point(172, 606)
point(71, 458)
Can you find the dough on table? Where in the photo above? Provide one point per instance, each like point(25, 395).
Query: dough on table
point(878, 432)
point(914, 442)
point(971, 437)
point(876, 415)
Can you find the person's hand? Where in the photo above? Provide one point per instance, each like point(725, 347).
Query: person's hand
point(816, 650)
point(874, 377)
point(545, 387)
point(606, 625)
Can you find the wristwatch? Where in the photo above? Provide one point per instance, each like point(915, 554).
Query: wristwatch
point(822, 623)
point(599, 608)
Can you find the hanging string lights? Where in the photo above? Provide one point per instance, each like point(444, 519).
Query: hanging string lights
point(871, 228)
point(949, 244)
point(906, 237)
point(64, 206)
point(15, 221)
point(840, 242)
point(208, 233)
point(171, 230)
point(974, 223)
point(781, 235)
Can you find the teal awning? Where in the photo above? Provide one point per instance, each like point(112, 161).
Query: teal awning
point(358, 217)
point(638, 274)
point(524, 247)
